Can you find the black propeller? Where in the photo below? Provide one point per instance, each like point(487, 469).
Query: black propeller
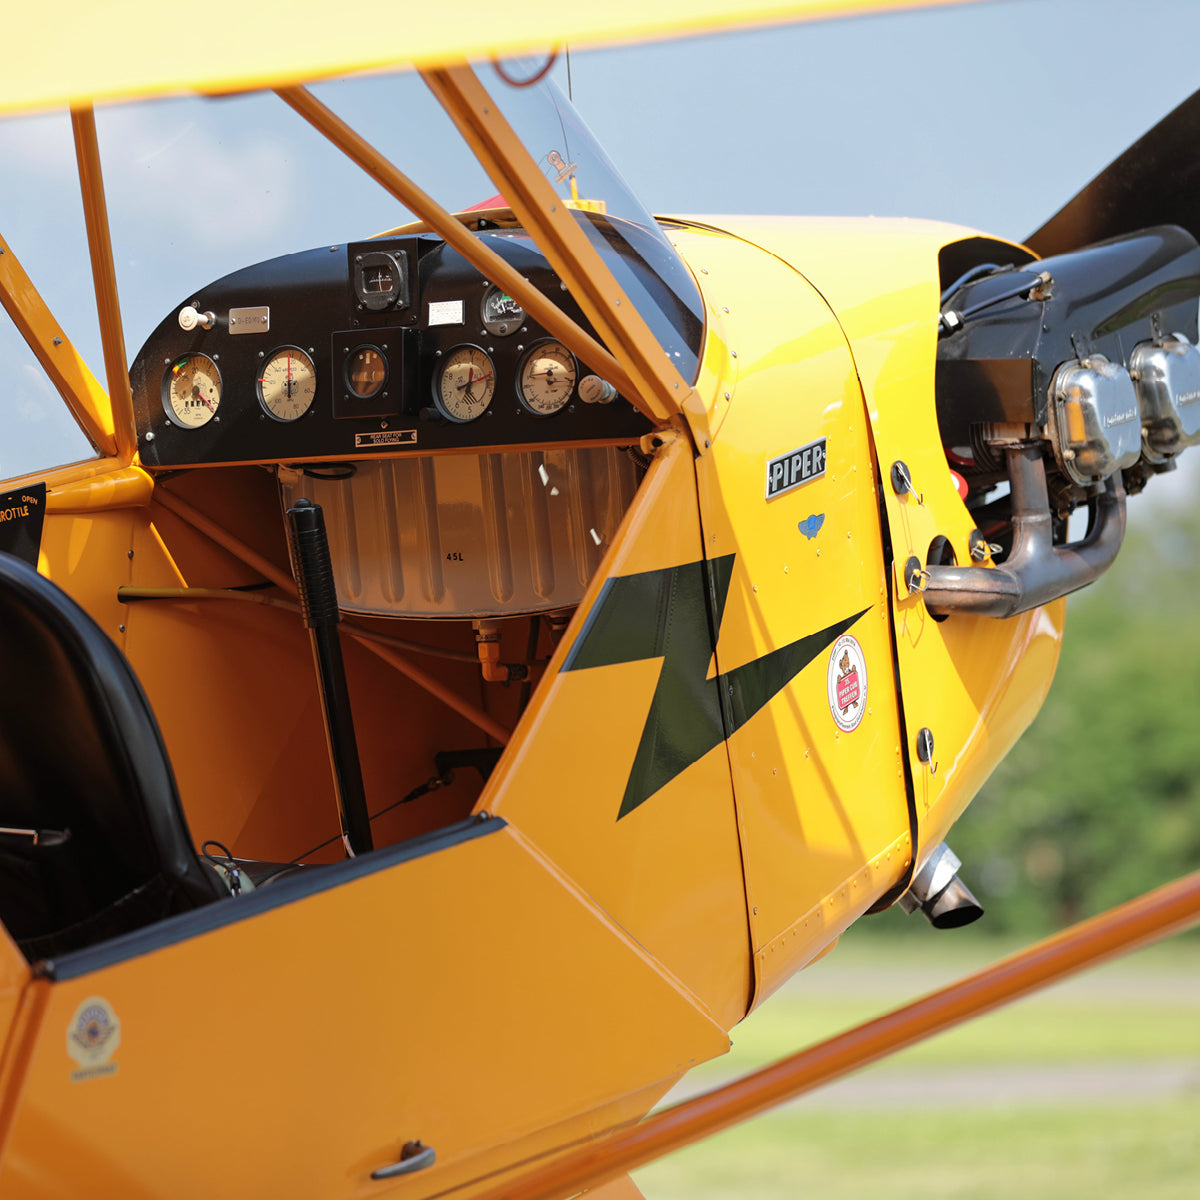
point(1155, 182)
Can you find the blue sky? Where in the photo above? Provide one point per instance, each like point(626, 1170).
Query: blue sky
point(991, 115)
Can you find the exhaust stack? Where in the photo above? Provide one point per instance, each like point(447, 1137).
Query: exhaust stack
point(938, 892)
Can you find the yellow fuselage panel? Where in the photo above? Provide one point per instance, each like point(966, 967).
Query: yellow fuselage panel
point(788, 499)
point(618, 769)
point(975, 682)
point(461, 996)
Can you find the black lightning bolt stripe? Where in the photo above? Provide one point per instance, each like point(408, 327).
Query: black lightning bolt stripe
point(672, 614)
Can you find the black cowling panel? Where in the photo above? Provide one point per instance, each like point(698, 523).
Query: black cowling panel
point(83, 763)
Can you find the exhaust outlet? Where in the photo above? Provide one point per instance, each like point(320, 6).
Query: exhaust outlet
point(937, 891)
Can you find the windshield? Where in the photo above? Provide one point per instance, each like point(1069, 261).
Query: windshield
point(626, 237)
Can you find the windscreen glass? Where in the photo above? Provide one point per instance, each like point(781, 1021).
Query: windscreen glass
point(628, 239)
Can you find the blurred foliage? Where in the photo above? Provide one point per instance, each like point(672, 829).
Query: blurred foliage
point(1100, 800)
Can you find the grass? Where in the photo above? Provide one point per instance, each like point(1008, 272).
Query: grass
point(1147, 1153)
point(1142, 1010)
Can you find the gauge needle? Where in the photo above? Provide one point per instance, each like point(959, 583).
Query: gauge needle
point(199, 395)
point(472, 380)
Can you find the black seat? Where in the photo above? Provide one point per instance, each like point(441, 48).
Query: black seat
point(94, 841)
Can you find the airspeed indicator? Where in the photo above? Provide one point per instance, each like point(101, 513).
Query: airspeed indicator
point(287, 384)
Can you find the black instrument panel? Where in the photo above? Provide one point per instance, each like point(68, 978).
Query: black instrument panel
point(389, 346)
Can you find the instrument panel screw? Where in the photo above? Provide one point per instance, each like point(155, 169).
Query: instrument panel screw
point(121, 628)
point(150, 435)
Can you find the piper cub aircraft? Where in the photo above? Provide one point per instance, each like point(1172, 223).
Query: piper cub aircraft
point(483, 661)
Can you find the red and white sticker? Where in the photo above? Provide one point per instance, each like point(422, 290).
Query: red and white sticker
point(847, 683)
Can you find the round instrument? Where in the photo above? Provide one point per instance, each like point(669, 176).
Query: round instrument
point(500, 313)
point(464, 384)
point(380, 281)
point(546, 379)
point(192, 390)
point(366, 372)
point(287, 384)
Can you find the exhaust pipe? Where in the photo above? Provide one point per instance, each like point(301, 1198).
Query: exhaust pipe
point(938, 892)
point(1036, 571)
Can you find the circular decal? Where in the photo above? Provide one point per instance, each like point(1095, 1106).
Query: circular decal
point(93, 1036)
point(847, 680)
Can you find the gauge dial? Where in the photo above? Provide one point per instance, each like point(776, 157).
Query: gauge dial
point(192, 390)
point(287, 384)
point(465, 383)
point(366, 372)
point(381, 280)
point(547, 378)
point(501, 314)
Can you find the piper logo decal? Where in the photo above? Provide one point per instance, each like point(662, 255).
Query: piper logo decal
point(797, 467)
point(847, 680)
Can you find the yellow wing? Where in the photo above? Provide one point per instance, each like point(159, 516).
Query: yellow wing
point(84, 51)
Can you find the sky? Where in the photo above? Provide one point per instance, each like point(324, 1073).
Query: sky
point(991, 115)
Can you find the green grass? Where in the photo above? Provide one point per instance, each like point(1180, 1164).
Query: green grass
point(1150, 1152)
point(1033, 1030)
point(1144, 1009)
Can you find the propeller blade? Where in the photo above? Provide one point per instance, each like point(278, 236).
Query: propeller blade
point(1155, 182)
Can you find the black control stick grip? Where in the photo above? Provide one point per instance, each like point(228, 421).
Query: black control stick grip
point(313, 572)
point(311, 565)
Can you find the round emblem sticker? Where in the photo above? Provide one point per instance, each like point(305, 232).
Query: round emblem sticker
point(93, 1037)
point(847, 680)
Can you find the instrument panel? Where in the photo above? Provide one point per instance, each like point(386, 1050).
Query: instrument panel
point(395, 345)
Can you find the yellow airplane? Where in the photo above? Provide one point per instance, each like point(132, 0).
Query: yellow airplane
point(483, 661)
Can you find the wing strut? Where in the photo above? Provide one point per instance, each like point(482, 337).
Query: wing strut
point(104, 276)
point(661, 390)
point(68, 372)
point(1138, 922)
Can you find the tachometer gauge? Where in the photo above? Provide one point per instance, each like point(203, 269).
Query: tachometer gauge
point(547, 378)
point(464, 384)
point(287, 384)
point(500, 313)
point(192, 390)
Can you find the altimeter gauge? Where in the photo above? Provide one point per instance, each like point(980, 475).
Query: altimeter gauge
point(547, 378)
point(287, 384)
point(192, 390)
point(464, 384)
